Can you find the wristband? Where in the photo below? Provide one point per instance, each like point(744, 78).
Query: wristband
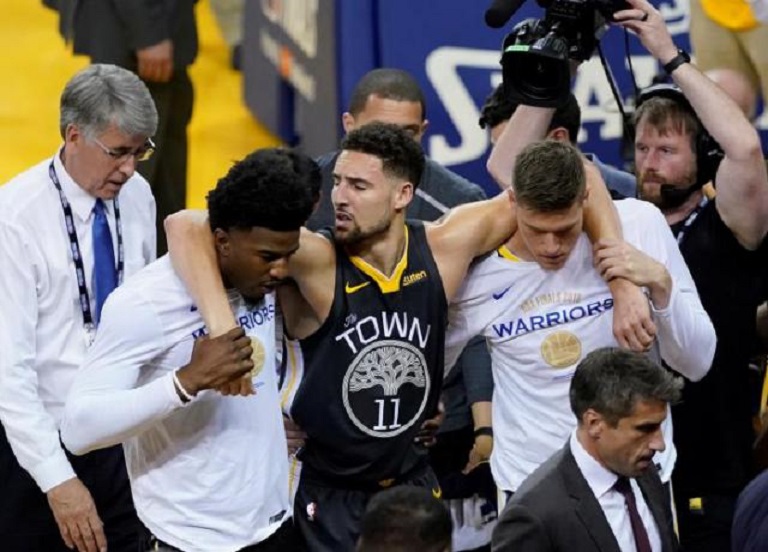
point(185, 396)
point(681, 58)
point(485, 430)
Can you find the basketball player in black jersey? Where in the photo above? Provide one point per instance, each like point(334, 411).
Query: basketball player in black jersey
point(367, 315)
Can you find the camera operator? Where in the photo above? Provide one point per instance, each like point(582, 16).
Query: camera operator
point(713, 430)
point(682, 132)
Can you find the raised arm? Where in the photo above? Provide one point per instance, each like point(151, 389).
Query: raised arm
point(190, 244)
point(527, 125)
point(742, 183)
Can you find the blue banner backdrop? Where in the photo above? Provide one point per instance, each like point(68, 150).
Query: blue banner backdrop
point(445, 44)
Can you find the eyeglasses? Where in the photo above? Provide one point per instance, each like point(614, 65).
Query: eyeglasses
point(121, 155)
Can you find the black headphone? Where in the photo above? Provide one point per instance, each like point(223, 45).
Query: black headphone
point(708, 151)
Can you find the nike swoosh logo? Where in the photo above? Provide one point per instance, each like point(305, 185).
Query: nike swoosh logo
point(498, 296)
point(437, 493)
point(353, 289)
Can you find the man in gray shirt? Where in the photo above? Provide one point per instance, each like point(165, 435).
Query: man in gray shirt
point(393, 96)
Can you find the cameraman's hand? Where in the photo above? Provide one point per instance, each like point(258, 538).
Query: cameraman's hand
point(648, 24)
point(217, 361)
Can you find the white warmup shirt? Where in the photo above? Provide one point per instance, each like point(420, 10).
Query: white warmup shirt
point(39, 303)
point(208, 475)
point(540, 323)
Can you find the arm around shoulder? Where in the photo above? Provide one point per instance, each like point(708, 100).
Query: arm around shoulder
point(468, 231)
point(193, 255)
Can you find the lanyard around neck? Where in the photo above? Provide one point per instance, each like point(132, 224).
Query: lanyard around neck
point(690, 218)
point(74, 245)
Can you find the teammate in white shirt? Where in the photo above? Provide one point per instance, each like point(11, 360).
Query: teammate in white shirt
point(50, 304)
point(208, 472)
point(542, 305)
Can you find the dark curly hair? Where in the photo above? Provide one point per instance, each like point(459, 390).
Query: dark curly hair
point(270, 188)
point(401, 156)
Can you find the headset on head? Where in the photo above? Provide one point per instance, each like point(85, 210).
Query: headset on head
point(708, 151)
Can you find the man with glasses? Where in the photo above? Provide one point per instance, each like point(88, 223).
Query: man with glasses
point(158, 41)
point(66, 241)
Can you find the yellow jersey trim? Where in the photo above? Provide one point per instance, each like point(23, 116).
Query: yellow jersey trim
point(387, 284)
point(507, 254)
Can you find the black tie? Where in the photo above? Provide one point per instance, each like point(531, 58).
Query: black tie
point(638, 529)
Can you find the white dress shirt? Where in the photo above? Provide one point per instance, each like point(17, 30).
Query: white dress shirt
point(208, 475)
point(539, 324)
point(613, 503)
point(39, 303)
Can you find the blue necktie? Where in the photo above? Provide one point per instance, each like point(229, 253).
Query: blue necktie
point(104, 273)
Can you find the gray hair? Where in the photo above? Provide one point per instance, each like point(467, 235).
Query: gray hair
point(102, 95)
point(549, 176)
point(610, 381)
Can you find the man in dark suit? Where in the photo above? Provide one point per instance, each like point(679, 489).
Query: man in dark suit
point(750, 521)
point(156, 40)
point(601, 491)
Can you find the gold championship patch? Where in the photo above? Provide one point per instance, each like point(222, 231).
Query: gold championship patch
point(258, 357)
point(561, 349)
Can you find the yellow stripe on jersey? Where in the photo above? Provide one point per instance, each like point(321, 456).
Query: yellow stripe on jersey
point(293, 369)
point(507, 254)
point(387, 284)
point(293, 476)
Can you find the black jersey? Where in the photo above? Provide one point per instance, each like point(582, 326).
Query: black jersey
point(713, 421)
point(372, 373)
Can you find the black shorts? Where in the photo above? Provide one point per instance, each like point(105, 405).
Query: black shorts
point(329, 517)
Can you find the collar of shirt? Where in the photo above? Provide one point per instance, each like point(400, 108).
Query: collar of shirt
point(81, 201)
point(599, 478)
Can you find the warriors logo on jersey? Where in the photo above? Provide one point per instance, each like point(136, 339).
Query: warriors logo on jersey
point(386, 388)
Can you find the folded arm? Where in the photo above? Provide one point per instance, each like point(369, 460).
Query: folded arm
point(633, 326)
point(687, 338)
point(105, 407)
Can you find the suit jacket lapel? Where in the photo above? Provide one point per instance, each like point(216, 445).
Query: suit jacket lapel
point(657, 501)
point(587, 507)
